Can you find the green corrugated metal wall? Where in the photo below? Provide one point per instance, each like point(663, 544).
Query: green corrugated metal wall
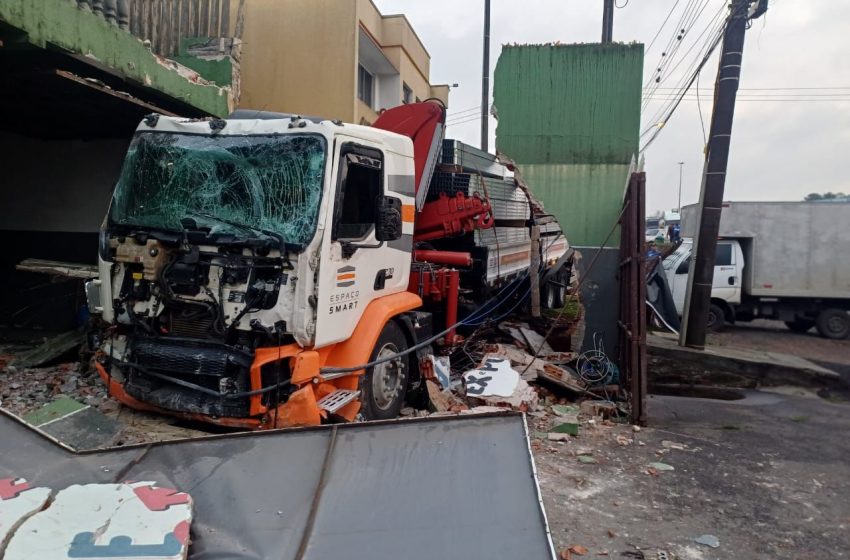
point(570, 116)
point(586, 199)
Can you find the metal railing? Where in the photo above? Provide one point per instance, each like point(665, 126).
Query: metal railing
point(165, 22)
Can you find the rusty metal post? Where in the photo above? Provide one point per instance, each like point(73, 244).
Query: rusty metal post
point(632, 322)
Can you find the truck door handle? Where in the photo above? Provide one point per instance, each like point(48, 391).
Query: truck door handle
point(731, 280)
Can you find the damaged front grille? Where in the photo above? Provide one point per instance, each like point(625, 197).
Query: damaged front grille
point(192, 376)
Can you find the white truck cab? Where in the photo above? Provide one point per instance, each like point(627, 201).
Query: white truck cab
point(726, 289)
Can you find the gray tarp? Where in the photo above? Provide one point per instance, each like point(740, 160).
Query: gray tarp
point(448, 488)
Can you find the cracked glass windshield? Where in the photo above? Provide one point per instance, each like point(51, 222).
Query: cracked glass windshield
point(240, 185)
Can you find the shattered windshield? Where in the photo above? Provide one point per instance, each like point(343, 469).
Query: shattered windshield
point(226, 184)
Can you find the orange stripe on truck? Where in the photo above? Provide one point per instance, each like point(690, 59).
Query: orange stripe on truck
point(349, 276)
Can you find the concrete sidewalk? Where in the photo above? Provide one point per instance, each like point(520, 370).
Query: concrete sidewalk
point(730, 366)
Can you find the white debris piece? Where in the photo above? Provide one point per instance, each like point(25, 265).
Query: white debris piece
point(496, 378)
point(18, 500)
point(497, 383)
point(107, 521)
point(442, 370)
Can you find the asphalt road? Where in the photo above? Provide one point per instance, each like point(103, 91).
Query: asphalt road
point(766, 475)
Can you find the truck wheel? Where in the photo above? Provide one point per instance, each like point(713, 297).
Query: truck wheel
point(834, 324)
point(383, 386)
point(563, 278)
point(800, 324)
point(716, 318)
point(549, 296)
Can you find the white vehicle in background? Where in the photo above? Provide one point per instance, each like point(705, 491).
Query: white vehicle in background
point(774, 260)
point(656, 235)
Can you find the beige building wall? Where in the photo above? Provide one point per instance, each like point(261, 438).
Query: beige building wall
point(299, 57)
point(302, 56)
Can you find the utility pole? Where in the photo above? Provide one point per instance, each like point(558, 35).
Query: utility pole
point(700, 278)
point(608, 21)
point(485, 81)
point(679, 207)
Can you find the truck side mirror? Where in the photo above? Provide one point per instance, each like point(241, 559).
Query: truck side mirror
point(388, 223)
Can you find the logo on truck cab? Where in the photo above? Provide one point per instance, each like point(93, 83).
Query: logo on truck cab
point(345, 277)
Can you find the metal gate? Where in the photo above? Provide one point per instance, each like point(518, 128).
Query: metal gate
point(632, 321)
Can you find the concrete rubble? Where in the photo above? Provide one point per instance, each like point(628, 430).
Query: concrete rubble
point(506, 368)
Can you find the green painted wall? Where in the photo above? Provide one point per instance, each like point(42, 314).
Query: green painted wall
point(569, 103)
point(570, 116)
point(586, 198)
point(218, 71)
point(60, 23)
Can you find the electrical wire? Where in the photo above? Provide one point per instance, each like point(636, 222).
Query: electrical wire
point(500, 300)
point(715, 22)
point(660, 29)
point(673, 104)
point(699, 108)
point(475, 118)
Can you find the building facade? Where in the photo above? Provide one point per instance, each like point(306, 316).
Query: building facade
point(339, 59)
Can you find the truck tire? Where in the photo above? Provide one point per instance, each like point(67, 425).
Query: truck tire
point(383, 386)
point(716, 318)
point(800, 324)
point(563, 279)
point(548, 296)
point(833, 323)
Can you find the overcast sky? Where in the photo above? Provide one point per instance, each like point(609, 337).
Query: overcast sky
point(786, 142)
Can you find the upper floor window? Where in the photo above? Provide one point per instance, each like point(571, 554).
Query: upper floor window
point(365, 86)
point(407, 94)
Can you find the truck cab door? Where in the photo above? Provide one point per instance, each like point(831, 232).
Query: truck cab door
point(356, 267)
point(676, 268)
point(726, 284)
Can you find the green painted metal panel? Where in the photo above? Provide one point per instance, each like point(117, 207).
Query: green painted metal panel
point(218, 70)
point(569, 103)
point(586, 199)
point(569, 115)
point(61, 24)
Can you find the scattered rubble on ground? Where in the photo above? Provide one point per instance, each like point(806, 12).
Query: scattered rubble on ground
point(503, 368)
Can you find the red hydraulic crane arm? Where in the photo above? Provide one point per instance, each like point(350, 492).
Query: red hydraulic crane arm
point(425, 124)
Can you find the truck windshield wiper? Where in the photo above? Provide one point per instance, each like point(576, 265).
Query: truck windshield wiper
point(253, 229)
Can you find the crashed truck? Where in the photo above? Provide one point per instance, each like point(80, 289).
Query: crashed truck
point(270, 270)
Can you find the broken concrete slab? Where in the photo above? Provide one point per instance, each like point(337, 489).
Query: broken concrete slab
point(443, 401)
point(561, 378)
point(594, 408)
point(87, 429)
point(50, 349)
point(53, 410)
point(536, 342)
point(567, 425)
point(526, 364)
point(107, 521)
point(18, 501)
point(75, 424)
point(733, 367)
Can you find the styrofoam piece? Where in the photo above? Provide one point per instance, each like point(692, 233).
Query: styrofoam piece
point(108, 521)
point(18, 500)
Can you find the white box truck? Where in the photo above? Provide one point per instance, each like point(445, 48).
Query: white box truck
point(787, 261)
